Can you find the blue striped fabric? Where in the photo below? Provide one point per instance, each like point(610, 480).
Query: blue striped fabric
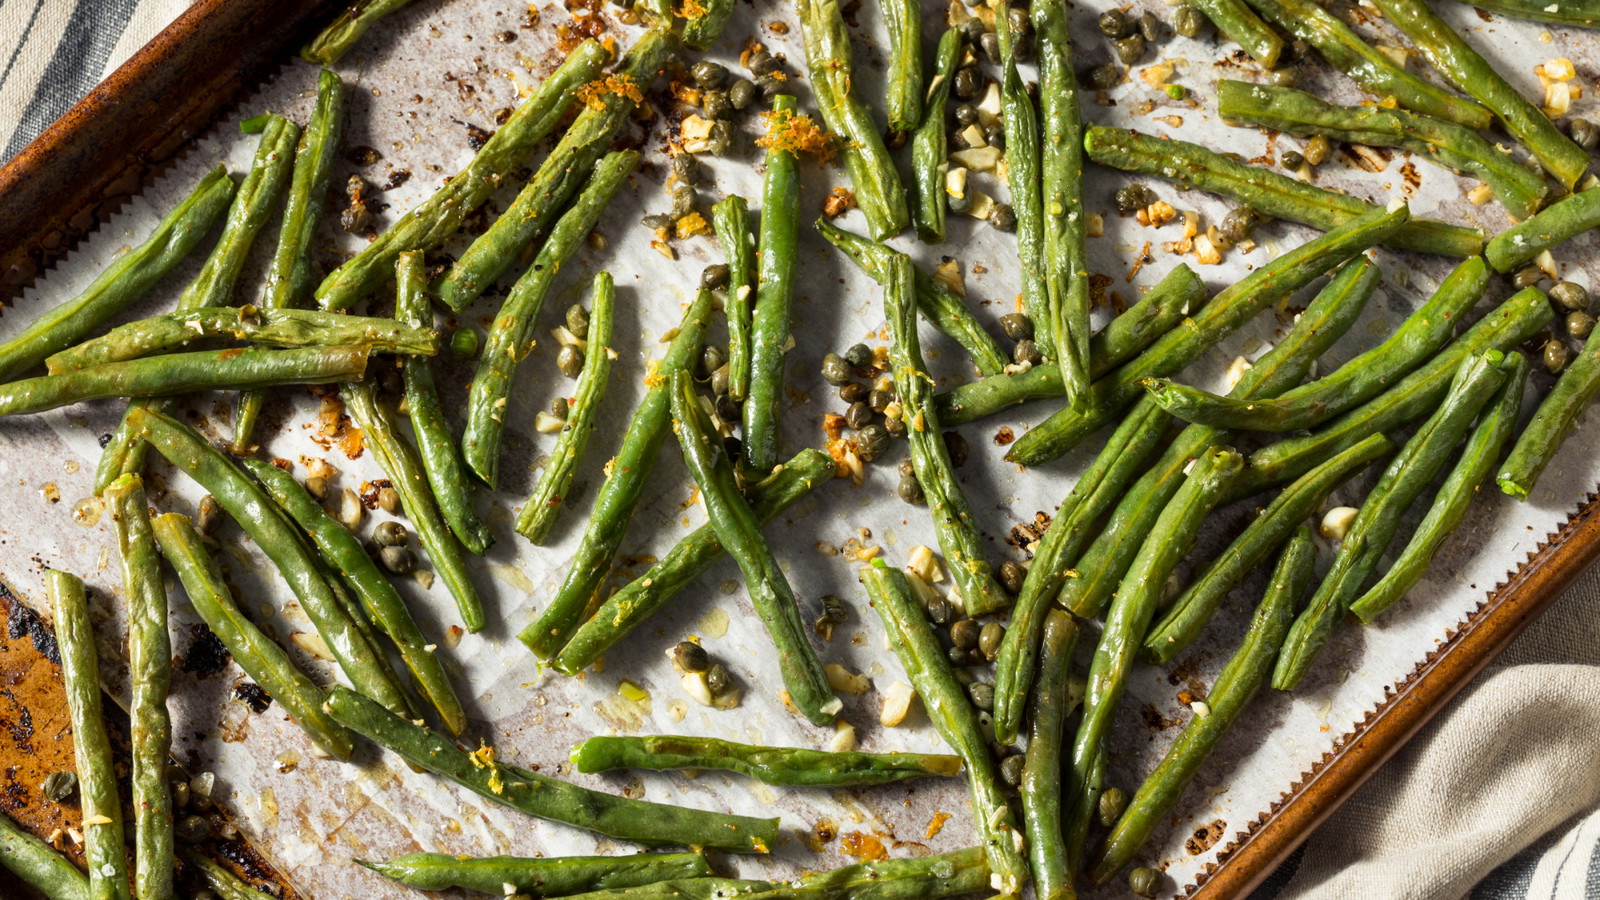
point(80, 57)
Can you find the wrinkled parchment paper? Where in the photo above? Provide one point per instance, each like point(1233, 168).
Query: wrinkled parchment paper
point(417, 82)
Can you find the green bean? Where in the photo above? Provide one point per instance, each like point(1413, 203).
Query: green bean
point(264, 661)
point(930, 143)
point(549, 798)
point(378, 597)
point(218, 878)
point(38, 865)
point(1233, 690)
point(1554, 224)
point(333, 42)
point(569, 167)
point(1082, 806)
point(124, 281)
point(1449, 508)
point(104, 852)
point(399, 461)
point(510, 338)
point(1416, 395)
point(1519, 189)
point(769, 321)
point(539, 513)
point(1024, 177)
point(544, 877)
point(952, 714)
point(1475, 380)
point(428, 224)
point(701, 31)
point(272, 327)
point(629, 607)
point(1552, 422)
point(1168, 541)
point(1455, 59)
point(1224, 314)
point(251, 208)
point(936, 301)
point(1420, 336)
point(1064, 245)
point(436, 443)
point(738, 240)
point(773, 765)
point(1096, 492)
point(1239, 22)
point(1337, 43)
point(953, 522)
point(1269, 193)
point(1334, 311)
point(1581, 13)
point(902, 99)
point(289, 278)
point(954, 874)
point(624, 484)
point(1171, 301)
point(1040, 789)
point(872, 172)
point(150, 677)
point(737, 529)
point(239, 496)
point(182, 373)
point(1263, 536)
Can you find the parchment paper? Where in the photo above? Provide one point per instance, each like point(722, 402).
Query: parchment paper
point(416, 81)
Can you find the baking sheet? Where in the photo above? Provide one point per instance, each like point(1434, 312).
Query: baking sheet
point(417, 82)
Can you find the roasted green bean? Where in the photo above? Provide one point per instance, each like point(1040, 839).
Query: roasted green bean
point(1582, 13)
point(701, 30)
point(1557, 222)
point(544, 877)
point(738, 241)
point(769, 322)
point(1063, 222)
point(38, 865)
point(1552, 422)
point(773, 765)
point(1024, 178)
point(1040, 789)
point(333, 42)
point(1240, 23)
point(930, 151)
point(902, 99)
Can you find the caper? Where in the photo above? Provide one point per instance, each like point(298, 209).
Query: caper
point(966, 114)
point(1104, 77)
point(208, 515)
point(1317, 150)
point(719, 381)
point(1570, 295)
point(1114, 24)
point(1527, 276)
point(1151, 28)
point(989, 640)
point(727, 411)
point(714, 277)
point(982, 694)
point(968, 83)
point(718, 680)
point(715, 104)
point(909, 489)
point(1017, 326)
point(1284, 76)
point(939, 610)
point(956, 446)
point(770, 85)
point(758, 61)
point(389, 534)
point(1584, 133)
point(895, 425)
point(854, 392)
point(858, 415)
point(835, 370)
point(560, 408)
point(995, 136)
point(193, 829)
point(721, 137)
point(732, 447)
point(1239, 224)
point(708, 74)
point(1012, 576)
point(1188, 21)
point(907, 469)
point(570, 361)
point(1579, 324)
point(1129, 49)
point(317, 487)
point(1144, 881)
point(389, 500)
point(742, 94)
point(464, 342)
point(834, 609)
point(871, 441)
point(682, 201)
point(1134, 197)
point(1112, 803)
point(859, 355)
point(960, 205)
point(691, 657)
point(964, 634)
point(1556, 355)
point(1011, 769)
point(58, 786)
point(879, 400)
point(1003, 217)
point(577, 321)
point(685, 168)
point(957, 657)
point(959, 140)
point(711, 359)
point(656, 222)
point(1026, 351)
point(989, 43)
point(399, 560)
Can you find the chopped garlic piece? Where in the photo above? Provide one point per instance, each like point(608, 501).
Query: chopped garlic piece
point(844, 737)
point(1336, 522)
point(896, 704)
point(843, 681)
